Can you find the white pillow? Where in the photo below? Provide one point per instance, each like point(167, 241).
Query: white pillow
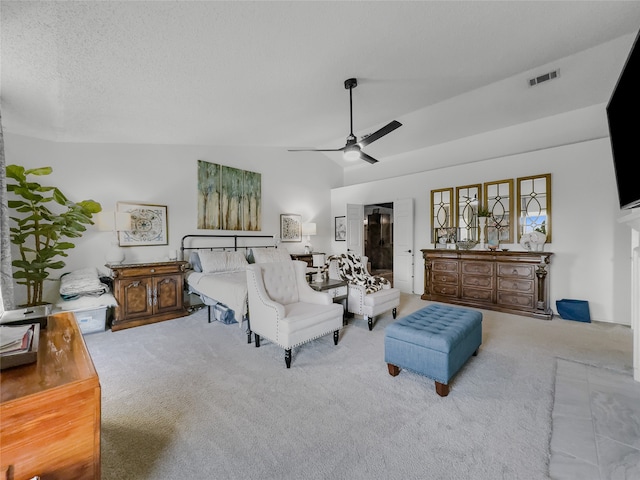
point(236, 261)
point(213, 262)
point(270, 255)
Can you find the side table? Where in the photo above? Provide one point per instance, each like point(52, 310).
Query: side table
point(338, 289)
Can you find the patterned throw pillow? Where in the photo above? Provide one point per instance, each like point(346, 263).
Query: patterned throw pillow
point(352, 269)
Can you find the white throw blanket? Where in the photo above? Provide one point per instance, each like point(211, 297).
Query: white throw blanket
point(81, 282)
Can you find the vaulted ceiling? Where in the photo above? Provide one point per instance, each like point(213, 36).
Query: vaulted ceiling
point(271, 73)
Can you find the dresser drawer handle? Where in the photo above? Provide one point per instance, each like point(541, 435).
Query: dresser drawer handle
point(515, 272)
point(153, 270)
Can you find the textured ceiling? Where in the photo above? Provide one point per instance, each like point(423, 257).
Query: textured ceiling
point(271, 73)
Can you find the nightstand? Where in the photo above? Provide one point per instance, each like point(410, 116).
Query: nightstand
point(338, 289)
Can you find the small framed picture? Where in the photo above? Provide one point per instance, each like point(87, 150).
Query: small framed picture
point(341, 229)
point(141, 224)
point(290, 227)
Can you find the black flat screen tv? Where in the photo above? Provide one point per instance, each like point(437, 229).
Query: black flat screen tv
point(623, 115)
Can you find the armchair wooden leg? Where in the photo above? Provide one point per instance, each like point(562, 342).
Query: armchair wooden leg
point(257, 337)
point(395, 312)
point(336, 335)
point(370, 322)
point(287, 357)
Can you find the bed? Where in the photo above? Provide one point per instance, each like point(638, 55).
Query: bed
point(217, 271)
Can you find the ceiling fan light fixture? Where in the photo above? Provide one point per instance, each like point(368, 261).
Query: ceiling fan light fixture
point(352, 153)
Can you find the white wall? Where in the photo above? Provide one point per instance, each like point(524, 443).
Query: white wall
point(591, 249)
point(167, 175)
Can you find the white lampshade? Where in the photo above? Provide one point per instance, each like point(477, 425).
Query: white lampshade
point(318, 259)
point(104, 220)
point(123, 221)
point(308, 229)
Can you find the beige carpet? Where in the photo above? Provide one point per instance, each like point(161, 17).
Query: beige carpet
point(186, 399)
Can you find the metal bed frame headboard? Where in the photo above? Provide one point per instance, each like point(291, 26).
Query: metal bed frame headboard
point(235, 245)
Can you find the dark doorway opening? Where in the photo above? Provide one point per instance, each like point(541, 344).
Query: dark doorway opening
point(378, 239)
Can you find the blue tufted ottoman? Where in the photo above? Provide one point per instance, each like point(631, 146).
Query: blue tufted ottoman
point(434, 341)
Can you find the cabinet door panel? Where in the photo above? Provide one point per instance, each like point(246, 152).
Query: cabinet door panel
point(168, 291)
point(136, 298)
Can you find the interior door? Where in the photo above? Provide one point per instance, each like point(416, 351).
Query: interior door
point(403, 245)
point(355, 228)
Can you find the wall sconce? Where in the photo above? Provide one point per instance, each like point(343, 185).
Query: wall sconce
point(308, 229)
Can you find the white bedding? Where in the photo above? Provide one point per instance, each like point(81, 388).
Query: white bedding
point(229, 288)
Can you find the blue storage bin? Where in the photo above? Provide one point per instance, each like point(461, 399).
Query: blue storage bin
point(574, 310)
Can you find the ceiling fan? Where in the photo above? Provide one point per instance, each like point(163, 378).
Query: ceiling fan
point(353, 148)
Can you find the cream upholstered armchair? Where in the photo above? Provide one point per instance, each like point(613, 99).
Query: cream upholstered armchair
point(369, 295)
point(285, 309)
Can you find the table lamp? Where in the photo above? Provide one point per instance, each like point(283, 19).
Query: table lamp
point(318, 262)
point(308, 229)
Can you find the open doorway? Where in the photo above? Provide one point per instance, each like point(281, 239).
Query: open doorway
point(378, 239)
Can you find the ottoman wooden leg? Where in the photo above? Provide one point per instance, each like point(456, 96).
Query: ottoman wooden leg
point(393, 369)
point(442, 389)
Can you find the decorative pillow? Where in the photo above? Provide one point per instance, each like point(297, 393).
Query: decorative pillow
point(270, 255)
point(194, 260)
point(236, 262)
point(213, 262)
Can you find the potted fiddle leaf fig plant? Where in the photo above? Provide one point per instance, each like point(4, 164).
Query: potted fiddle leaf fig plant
point(44, 221)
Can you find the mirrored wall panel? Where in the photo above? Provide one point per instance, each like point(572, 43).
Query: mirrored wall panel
point(468, 199)
point(499, 201)
point(534, 205)
point(441, 214)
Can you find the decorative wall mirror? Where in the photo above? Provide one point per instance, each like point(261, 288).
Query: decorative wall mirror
point(499, 201)
point(441, 214)
point(534, 205)
point(468, 199)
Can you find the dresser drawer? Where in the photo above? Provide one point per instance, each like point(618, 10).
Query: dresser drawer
point(516, 285)
point(480, 281)
point(445, 266)
point(338, 291)
point(145, 271)
point(516, 270)
point(476, 294)
point(445, 290)
point(444, 277)
point(477, 268)
point(516, 300)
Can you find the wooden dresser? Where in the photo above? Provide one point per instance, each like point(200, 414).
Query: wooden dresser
point(147, 293)
point(50, 410)
point(512, 282)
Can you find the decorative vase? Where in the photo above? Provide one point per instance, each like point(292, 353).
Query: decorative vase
point(482, 222)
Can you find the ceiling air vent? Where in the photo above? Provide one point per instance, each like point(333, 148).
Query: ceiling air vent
point(544, 78)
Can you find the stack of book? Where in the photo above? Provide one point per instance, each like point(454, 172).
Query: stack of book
point(18, 344)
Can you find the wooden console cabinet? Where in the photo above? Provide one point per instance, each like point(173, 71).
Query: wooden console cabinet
point(50, 409)
point(147, 293)
point(511, 282)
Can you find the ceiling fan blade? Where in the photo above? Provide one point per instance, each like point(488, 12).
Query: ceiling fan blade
point(388, 128)
point(368, 158)
point(316, 150)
